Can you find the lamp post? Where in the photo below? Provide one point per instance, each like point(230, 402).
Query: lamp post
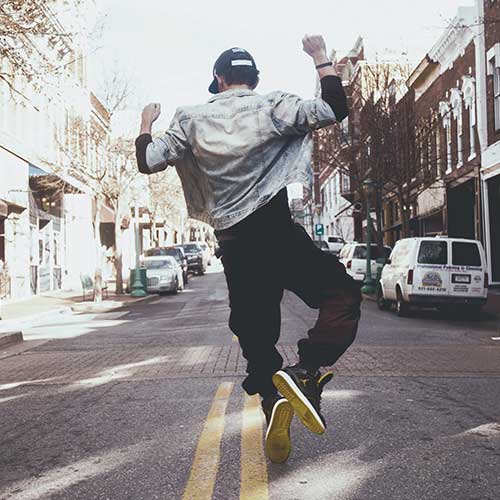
point(137, 285)
point(368, 283)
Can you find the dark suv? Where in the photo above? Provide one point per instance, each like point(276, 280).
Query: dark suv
point(175, 252)
point(194, 254)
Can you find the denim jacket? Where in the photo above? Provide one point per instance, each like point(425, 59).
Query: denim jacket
point(234, 153)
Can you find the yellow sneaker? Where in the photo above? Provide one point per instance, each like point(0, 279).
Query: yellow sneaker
point(279, 415)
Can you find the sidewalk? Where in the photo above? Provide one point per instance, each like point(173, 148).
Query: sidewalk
point(36, 309)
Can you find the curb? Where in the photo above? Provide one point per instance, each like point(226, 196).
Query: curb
point(9, 338)
point(33, 319)
point(106, 306)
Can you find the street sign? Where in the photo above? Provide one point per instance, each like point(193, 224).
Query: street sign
point(319, 229)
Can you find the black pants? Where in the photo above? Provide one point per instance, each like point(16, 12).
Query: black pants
point(257, 271)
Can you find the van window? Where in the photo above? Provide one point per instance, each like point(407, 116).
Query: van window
point(465, 254)
point(433, 252)
point(335, 239)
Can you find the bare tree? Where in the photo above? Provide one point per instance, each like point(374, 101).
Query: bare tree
point(35, 48)
point(166, 200)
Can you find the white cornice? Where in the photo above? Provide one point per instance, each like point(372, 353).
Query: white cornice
point(455, 38)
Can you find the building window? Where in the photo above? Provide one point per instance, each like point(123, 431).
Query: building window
point(496, 97)
point(493, 58)
point(469, 92)
point(444, 111)
point(438, 152)
point(456, 104)
point(345, 183)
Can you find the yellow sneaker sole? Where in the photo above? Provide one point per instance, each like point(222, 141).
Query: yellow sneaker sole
point(301, 405)
point(278, 444)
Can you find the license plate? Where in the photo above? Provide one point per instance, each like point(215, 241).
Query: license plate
point(460, 278)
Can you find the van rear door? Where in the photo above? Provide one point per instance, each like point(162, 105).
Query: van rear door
point(466, 270)
point(431, 276)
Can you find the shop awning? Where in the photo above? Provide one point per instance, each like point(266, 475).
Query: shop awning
point(9, 207)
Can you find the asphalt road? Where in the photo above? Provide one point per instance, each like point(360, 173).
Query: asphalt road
point(145, 403)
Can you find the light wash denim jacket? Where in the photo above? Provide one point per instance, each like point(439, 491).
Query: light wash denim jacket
point(234, 153)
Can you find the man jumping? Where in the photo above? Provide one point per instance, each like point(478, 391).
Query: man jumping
point(235, 155)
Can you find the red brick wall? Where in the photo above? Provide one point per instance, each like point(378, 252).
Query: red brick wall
point(492, 36)
point(440, 91)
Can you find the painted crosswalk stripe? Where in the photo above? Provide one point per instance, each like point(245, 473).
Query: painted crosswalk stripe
point(254, 485)
point(201, 481)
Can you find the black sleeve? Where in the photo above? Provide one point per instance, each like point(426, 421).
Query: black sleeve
point(141, 143)
point(332, 92)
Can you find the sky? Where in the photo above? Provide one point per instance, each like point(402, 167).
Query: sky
point(168, 47)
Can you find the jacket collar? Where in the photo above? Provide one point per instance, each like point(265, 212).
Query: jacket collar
point(231, 93)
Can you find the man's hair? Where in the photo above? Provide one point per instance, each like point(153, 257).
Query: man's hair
point(241, 75)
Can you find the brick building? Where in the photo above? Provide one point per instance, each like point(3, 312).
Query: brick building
point(447, 187)
point(488, 85)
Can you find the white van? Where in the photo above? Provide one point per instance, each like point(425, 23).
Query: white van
point(353, 256)
point(439, 272)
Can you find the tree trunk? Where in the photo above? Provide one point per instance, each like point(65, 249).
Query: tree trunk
point(118, 253)
point(98, 252)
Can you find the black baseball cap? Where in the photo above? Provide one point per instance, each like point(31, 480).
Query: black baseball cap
point(235, 56)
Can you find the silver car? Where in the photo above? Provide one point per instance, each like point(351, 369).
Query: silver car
point(161, 274)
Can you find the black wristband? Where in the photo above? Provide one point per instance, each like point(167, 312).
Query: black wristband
point(324, 65)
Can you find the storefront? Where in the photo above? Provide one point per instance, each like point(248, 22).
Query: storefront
point(462, 209)
point(493, 226)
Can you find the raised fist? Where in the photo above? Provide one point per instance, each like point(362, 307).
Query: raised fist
point(314, 45)
point(151, 112)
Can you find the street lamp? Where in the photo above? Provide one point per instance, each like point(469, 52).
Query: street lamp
point(137, 285)
point(368, 283)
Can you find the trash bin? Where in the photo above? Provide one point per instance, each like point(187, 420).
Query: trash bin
point(142, 278)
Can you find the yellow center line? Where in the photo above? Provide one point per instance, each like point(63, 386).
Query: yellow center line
point(253, 463)
point(200, 485)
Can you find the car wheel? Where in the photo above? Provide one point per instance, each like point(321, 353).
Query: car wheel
point(402, 307)
point(201, 272)
point(176, 287)
point(383, 304)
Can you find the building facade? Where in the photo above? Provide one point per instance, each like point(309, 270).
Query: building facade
point(488, 89)
point(447, 198)
point(45, 211)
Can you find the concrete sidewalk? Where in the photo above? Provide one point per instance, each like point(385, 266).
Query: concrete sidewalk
point(35, 310)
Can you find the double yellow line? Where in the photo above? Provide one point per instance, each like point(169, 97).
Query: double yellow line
point(254, 485)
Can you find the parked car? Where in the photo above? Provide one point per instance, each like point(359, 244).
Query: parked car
point(207, 253)
point(163, 274)
point(438, 272)
point(195, 259)
point(322, 245)
point(335, 243)
point(353, 256)
point(175, 252)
